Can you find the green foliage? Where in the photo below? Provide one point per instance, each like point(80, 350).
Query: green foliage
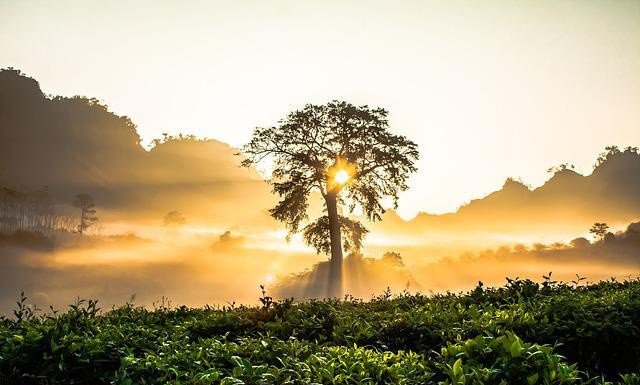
point(504, 359)
point(522, 333)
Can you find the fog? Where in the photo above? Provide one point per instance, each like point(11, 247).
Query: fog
point(195, 268)
point(190, 269)
point(220, 243)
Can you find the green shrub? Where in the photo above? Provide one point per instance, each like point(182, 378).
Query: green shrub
point(516, 334)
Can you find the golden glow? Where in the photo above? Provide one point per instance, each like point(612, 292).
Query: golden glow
point(340, 173)
point(472, 83)
point(342, 177)
point(269, 279)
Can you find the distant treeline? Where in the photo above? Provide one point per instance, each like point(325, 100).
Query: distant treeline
point(33, 211)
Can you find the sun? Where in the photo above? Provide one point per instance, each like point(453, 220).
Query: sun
point(340, 173)
point(269, 279)
point(341, 177)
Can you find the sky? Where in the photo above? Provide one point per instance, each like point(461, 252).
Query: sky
point(488, 90)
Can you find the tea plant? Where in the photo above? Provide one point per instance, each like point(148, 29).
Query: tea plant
point(522, 333)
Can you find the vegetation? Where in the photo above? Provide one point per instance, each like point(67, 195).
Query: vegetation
point(613, 151)
point(522, 333)
point(174, 218)
point(88, 217)
point(32, 211)
point(346, 154)
point(600, 230)
point(561, 167)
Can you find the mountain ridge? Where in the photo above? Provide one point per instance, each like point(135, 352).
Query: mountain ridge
point(76, 145)
point(611, 192)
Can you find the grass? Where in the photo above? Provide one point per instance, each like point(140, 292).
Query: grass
point(523, 333)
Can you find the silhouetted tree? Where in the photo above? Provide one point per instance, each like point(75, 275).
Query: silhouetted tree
point(580, 243)
point(346, 154)
point(174, 218)
point(29, 211)
point(609, 152)
point(393, 258)
point(600, 230)
point(561, 167)
point(87, 211)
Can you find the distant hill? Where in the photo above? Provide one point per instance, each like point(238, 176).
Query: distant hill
point(567, 202)
point(73, 145)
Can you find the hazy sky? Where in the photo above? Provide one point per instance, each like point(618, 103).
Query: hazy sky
point(488, 89)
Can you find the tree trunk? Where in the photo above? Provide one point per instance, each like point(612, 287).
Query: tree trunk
point(335, 264)
point(81, 221)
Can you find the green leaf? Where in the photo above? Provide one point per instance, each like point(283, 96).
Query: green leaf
point(457, 367)
point(232, 381)
point(516, 349)
point(54, 346)
point(532, 379)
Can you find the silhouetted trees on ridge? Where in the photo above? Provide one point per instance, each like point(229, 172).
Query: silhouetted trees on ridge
point(36, 212)
point(82, 146)
point(32, 211)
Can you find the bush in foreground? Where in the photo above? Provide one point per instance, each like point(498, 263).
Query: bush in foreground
point(522, 333)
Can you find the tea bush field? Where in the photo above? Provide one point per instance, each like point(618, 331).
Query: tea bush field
point(522, 333)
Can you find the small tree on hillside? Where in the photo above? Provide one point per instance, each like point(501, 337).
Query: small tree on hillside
point(393, 258)
point(561, 167)
point(174, 218)
point(346, 154)
point(599, 230)
point(87, 211)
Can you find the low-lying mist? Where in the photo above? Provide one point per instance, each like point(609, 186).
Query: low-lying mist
point(193, 266)
point(190, 269)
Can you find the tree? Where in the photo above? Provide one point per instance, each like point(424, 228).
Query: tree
point(347, 155)
point(174, 218)
point(580, 243)
point(600, 230)
point(609, 152)
point(87, 211)
point(392, 258)
point(561, 167)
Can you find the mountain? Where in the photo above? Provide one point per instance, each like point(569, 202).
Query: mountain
point(566, 203)
point(73, 145)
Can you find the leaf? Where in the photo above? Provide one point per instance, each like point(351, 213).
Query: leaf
point(237, 361)
point(479, 341)
point(457, 367)
point(516, 349)
point(532, 379)
point(232, 381)
point(237, 371)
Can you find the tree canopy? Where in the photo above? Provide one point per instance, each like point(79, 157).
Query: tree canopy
point(341, 151)
point(311, 143)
